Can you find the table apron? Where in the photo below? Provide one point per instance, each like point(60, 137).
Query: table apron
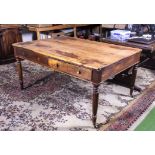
point(83, 73)
point(120, 66)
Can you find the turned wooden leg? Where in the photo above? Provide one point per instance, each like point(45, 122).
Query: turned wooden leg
point(133, 78)
point(95, 103)
point(20, 72)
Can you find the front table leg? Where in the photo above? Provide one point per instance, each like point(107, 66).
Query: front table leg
point(95, 103)
point(20, 72)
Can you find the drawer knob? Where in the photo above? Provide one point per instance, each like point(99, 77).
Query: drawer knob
point(57, 65)
point(78, 72)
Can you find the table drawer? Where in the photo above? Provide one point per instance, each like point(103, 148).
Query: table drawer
point(83, 73)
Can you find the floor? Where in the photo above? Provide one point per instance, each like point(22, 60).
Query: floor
point(54, 101)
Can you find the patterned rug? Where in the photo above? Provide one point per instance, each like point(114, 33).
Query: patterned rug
point(54, 101)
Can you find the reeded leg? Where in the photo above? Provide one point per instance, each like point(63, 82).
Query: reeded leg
point(20, 72)
point(95, 103)
point(133, 78)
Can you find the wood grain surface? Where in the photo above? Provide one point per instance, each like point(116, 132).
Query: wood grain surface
point(90, 54)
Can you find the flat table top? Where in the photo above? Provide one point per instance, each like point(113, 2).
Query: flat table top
point(90, 54)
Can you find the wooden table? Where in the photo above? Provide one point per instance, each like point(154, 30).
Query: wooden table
point(55, 27)
point(87, 60)
point(149, 47)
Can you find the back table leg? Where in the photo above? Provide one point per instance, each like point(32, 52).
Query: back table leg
point(20, 72)
point(132, 81)
point(95, 103)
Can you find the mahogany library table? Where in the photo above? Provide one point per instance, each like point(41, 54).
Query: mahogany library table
point(87, 60)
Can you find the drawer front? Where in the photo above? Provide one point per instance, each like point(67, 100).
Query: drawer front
point(80, 72)
point(60, 66)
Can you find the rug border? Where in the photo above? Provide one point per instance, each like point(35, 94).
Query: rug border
point(116, 116)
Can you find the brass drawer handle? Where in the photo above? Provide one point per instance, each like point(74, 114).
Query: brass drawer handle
point(78, 72)
point(57, 65)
